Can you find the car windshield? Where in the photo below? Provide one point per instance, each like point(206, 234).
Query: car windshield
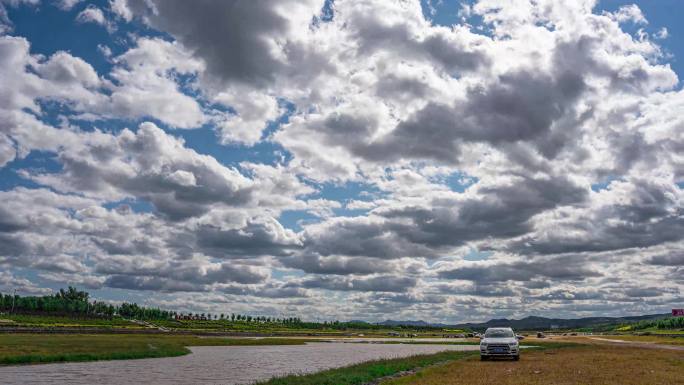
point(499, 333)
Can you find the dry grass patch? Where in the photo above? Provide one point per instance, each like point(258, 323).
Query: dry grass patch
point(588, 365)
point(648, 339)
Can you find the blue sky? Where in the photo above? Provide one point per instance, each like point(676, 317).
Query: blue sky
point(266, 161)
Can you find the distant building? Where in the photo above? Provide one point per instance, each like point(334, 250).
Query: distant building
point(554, 327)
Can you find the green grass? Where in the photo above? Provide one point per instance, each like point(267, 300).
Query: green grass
point(368, 371)
point(224, 325)
point(43, 348)
point(659, 331)
point(21, 320)
point(227, 326)
point(195, 326)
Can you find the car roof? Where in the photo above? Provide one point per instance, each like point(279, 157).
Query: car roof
point(499, 328)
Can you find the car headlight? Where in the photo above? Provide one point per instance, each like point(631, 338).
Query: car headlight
point(483, 344)
point(513, 344)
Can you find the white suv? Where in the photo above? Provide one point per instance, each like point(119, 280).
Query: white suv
point(499, 342)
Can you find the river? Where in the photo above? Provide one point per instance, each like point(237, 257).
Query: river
point(217, 364)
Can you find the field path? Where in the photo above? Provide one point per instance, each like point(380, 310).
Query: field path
point(649, 345)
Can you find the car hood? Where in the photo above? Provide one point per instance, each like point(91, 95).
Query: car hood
point(498, 340)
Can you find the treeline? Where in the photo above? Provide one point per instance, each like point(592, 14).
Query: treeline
point(340, 325)
point(234, 318)
point(663, 323)
point(76, 303)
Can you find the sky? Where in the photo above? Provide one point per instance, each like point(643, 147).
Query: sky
point(438, 160)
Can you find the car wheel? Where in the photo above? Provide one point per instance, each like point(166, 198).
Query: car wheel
point(516, 358)
point(483, 358)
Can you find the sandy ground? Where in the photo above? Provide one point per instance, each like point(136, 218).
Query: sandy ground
point(639, 344)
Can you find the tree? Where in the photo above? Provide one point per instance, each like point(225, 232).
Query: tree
point(72, 294)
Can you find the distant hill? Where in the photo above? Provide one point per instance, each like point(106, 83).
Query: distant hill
point(543, 323)
point(534, 323)
point(420, 323)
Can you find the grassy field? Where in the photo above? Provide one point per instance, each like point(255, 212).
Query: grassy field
point(224, 325)
point(194, 326)
point(588, 364)
point(43, 348)
point(56, 321)
point(368, 371)
point(571, 360)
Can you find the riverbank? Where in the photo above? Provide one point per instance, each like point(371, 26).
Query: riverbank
point(359, 363)
point(220, 364)
point(40, 348)
point(25, 348)
point(368, 372)
point(380, 371)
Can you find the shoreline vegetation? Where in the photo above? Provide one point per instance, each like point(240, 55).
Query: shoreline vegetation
point(380, 371)
point(370, 371)
point(38, 348)
point(16, 349)
point(24, 348)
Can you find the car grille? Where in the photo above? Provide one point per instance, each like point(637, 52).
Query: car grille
point(498, 349)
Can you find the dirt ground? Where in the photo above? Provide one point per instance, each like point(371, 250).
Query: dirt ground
point(590, 364)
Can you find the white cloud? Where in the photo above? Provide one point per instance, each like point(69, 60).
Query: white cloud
point(67, 5)
point(253, 112)
point(147, 85)
point(631, 13)
point(120, 8)
point(93, 14)
point(662, 33)
point(7, 150)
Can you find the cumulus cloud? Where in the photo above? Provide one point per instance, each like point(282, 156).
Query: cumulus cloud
point(154, 166)
point(374, 284)
point(627, 215)
point(254, 39)
point(9, 283)
point(487, 273)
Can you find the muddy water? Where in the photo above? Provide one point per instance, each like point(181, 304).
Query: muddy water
point(217, 364)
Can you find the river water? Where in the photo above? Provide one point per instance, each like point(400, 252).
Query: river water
point(217, 364)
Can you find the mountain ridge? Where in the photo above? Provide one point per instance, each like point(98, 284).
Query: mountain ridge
point(531, 322)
